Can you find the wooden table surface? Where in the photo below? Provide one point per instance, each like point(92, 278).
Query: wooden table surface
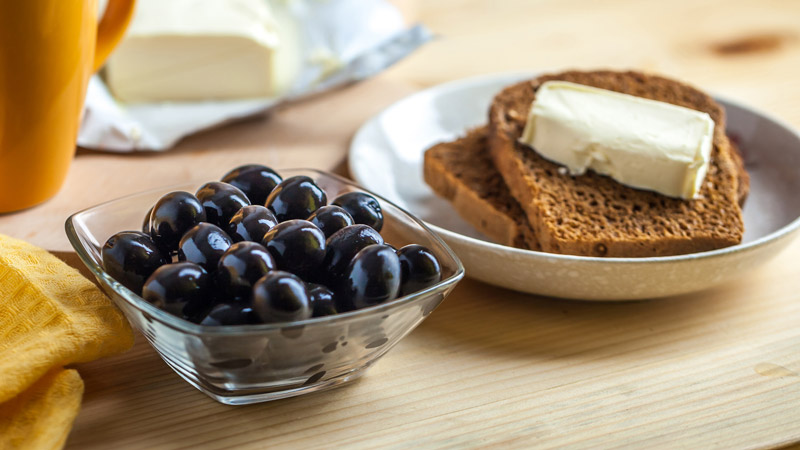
point(718, 368)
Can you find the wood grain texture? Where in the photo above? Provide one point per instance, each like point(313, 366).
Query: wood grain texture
point(716, 369)
point(493, 367)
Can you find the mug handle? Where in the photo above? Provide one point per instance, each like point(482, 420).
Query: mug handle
point(111, 29)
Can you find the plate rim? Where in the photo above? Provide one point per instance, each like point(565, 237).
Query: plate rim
point(776, 235)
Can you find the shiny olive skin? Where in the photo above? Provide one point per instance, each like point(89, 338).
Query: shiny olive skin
point(182, 289)
point(204, 244)
point(146, 222)
point(323, 300)
point(251, 223)
point(233, 173)
point(223, 314)
point(298, 246)
point(240, 267)
point(331, 219)
point(173, 215)
point(255, 180)
point(221, 201)
point(373, 277)
point(281, 297)
point(296, 198)
point(364, 208)
point(419, 268)
point(342, 246)
point(130, 257)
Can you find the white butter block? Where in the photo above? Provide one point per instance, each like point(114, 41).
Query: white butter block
point(190, 50)
point(641, 143)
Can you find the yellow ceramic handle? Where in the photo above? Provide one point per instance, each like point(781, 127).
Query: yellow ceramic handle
point(111, 28)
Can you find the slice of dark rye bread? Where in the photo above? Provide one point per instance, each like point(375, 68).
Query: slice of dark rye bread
point(462, 172)
point(594, 215)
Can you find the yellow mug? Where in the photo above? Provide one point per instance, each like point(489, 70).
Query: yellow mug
point(48, 51)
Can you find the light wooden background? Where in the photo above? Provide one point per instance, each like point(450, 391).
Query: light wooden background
point(492, 367)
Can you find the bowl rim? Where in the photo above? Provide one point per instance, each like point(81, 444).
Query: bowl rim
point(519, 76)
point(180, 324)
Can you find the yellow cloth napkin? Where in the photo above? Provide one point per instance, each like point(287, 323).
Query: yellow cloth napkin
point(50, 317)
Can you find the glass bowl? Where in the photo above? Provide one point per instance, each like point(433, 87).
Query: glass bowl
point(254, 363)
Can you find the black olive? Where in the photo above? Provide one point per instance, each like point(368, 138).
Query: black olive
point(323, 300)
point(255, 180)
point(364, 208)
point(281, 297)
point(173, 215)
point(296, 198)
point(230, 314)
point(221, 201)
point(181, 289)
point(130, 257)
point(204, 244)
point(196, 310)
point(251, 223)
point(331, 219)
point(240, 267)
point(373, 277)
point(342, 246)
point(298, 246)
point(419, 268)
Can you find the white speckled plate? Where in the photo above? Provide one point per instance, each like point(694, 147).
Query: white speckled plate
point(386, 157)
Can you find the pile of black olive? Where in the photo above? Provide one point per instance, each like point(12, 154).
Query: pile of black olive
point(219, 257)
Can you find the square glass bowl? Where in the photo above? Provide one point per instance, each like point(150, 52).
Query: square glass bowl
point(254, 363)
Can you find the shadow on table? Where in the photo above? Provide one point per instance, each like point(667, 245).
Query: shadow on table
point(135, 400)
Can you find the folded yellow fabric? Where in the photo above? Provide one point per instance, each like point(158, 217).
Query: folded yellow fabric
point(50, 316)
point(42, 415)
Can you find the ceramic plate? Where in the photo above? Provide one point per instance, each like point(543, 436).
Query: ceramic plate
point(386, 157)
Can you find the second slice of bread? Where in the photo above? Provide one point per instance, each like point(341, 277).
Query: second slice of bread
point(594, 215)
point(462, 172)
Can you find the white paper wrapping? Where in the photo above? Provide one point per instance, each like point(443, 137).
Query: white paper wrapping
point(341, 41)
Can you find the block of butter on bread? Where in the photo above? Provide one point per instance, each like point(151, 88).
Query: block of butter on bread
point(639, 142)
point(516, 196)
point(190, 50)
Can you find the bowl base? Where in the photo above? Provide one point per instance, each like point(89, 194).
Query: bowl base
point(251, 396)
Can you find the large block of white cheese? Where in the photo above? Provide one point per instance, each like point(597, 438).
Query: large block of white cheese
point(189, 50)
